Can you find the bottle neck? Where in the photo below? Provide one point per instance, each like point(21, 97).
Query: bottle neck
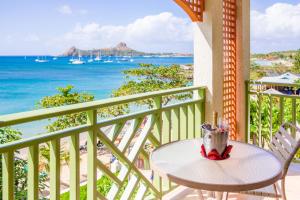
point(215, 120)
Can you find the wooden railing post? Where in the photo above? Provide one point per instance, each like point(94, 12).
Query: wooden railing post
point(247, 113)
point(259, 119)
point(92, 153)
point(294, 116)
point(8, 176)
point(33, 173)
point(199, 111)
point(74, 168)
point(281, 110)
point(191, 121)
point(55, 170)
point(158, 133)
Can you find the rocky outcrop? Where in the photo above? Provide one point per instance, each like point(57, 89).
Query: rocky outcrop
point(120, 50)
point(122, 46)
point(73, 51)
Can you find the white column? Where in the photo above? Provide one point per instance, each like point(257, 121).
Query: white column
point(208, 57)
point(243, 63)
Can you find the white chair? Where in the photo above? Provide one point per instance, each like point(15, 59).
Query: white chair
point(285, 147)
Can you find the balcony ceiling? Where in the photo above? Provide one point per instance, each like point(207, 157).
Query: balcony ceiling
point(194, 8)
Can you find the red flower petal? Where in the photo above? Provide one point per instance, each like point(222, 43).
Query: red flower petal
point(227, 151)
point(203, 152)
point(214, 155)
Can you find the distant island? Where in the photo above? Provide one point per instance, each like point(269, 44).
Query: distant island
point(119, 50)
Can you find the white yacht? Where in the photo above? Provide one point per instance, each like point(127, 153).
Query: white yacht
point(72, 59)
point(124, 58)
point(91, 58)
point(78, 61)
point(98, 58)
point(41, 60)
point(108, 61)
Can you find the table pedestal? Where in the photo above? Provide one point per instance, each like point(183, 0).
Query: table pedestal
point(211, 195)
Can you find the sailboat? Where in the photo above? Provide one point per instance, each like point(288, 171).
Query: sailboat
point(41, 60)
point(109, 60)
point(72, 59)
point(98, 58)
point(77, 61)
point(91, 58)
point(131, 57)
point(124, 58)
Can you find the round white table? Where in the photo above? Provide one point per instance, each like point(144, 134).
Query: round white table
point(248, 167)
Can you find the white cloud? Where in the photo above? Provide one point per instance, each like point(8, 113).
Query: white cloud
point(277, 28)
point(65, 9)
point(83, 11)
point(162, 32)
point(32, 38)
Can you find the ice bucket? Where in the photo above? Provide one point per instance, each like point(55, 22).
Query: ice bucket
point(213, 139)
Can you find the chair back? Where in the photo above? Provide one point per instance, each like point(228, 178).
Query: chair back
point(284, 144)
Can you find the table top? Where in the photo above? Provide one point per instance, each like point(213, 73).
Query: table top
point(248, 167)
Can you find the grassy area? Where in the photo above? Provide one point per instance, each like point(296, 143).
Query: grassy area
point(103, 186)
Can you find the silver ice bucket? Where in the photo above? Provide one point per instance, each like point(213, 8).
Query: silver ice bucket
point(213, 139)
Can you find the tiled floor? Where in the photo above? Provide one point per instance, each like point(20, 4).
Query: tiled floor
point(292, 189)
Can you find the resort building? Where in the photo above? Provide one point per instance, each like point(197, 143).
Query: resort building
point(286, 78)
point(285, 83)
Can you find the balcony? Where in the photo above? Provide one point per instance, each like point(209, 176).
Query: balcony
point(117, 149)
point(108, 157)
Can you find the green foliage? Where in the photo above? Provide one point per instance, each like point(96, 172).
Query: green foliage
point(103, 186)
point(254, 65)
point(66, 96)
point(296, 67)
point(9, 135)
point(276, 55)
point(297, 81)
point(265, 117)
point(148, 77)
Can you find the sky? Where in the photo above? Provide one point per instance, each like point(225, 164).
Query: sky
point(35, 27)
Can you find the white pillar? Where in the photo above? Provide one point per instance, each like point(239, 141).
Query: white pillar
point(208, 57)
point(243, 63)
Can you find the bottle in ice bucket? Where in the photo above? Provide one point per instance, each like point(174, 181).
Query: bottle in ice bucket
point(215, 135)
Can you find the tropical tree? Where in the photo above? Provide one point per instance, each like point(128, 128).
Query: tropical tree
point(296, 67)
point(65, 96)
point(297, 81)
point(149, 77)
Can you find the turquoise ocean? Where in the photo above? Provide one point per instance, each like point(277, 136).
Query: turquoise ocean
point(23, 82)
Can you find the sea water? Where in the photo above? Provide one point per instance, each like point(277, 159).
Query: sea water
point(23, 82)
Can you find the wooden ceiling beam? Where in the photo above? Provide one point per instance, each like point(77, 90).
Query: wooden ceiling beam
point(194, 8)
